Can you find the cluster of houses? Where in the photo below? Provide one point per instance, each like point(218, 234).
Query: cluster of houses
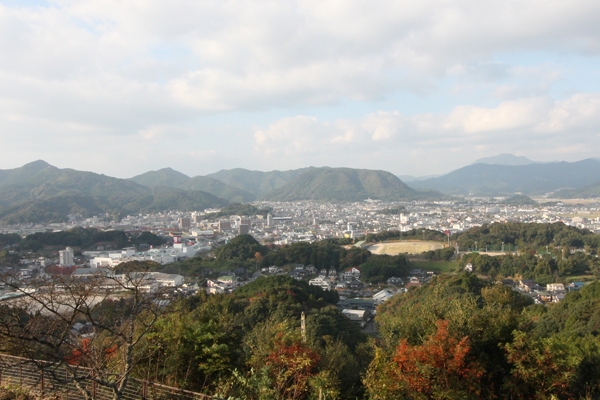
point(551, 293)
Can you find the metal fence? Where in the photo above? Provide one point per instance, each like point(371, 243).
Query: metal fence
point(46, 378)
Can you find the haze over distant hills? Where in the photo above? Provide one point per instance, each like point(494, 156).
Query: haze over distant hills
point(501, 159)
point(505, 159)
point(40, 192)
point(258, 183)
point(584, 192)
point(493, 179)
point(168, 177)
point(321, 184)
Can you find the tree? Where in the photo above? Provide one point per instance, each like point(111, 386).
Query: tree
point(89, 326)
point(439, 368)
point(543, 369)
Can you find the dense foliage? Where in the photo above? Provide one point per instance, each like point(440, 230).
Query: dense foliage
point(378, 268)
point(242, 247)
point(460, 337)
point(543, 269)
point(249, 344)
point(326, 254)
point(439, 254)
point(519, 199)
point(532, 236)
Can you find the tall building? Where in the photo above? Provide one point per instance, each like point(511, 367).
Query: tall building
point(184, 223)
point(269, 220)
point(224, 225)
point(66, 258)
point(244, 229)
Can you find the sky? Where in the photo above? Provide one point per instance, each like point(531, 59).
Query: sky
point(121, 87)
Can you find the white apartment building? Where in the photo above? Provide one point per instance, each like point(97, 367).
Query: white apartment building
point(66, 258)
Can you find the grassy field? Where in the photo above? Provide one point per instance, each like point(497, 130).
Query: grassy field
point(410, 247)
point(438, 266)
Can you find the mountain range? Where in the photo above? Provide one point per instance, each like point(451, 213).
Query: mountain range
point(533, 179)
point(585, 192)
point(319, 184)
point(345, 184)
point(505, 159)
point(40, 192)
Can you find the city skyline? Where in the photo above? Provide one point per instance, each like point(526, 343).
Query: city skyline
point(122, 88)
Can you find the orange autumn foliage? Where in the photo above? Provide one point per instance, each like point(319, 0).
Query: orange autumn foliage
point(439, 368)
point(293, 364)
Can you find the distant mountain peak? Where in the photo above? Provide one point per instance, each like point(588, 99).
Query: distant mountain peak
point(38, 164)
point(163, 177)
point(505, 159)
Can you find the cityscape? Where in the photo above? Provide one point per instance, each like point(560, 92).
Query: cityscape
point(299, 200)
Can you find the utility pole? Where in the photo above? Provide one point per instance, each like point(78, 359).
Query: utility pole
point(303, 327)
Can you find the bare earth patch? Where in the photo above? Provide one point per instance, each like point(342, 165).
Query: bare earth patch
point(395, 248)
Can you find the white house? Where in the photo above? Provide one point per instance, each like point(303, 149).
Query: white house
point(555, 287)
point(352, 274)
point(322, 283)
point(382, 296)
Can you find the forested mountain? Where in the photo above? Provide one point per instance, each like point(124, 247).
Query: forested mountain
point(487, 179)
point(519, 200)
point(345, 184)
point(584, 192)
point(505, 159)
point(257, 182)
point(168, 177)
point(39, 192)
point(218, 188)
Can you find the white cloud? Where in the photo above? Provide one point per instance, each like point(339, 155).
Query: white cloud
point(82, 72)
point(555, 129)
point(256, 54)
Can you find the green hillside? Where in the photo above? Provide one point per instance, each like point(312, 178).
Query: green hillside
point(343, 184)
point(258, 183)
point(585, 192)
point(218, 188)
point(519, 200)
point(39, 192)
point(164, 198)
point(166, 177)
point(493, 180)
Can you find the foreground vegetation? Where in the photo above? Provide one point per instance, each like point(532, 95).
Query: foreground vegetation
point(459, 337)
point(456, 337)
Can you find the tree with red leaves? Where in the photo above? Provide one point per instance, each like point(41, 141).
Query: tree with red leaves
point(439, 368)
point(292, 365)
